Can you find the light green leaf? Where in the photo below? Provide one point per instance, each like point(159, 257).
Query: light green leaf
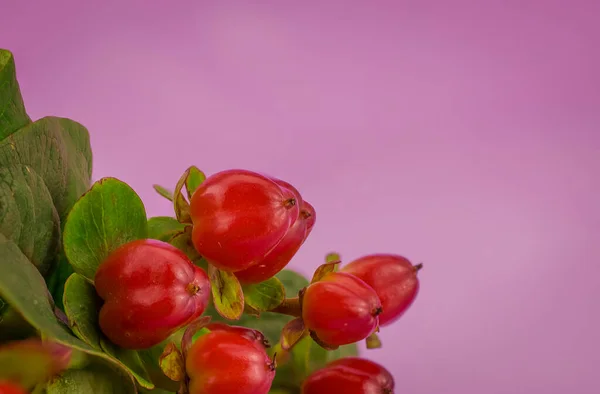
point(59, 151)
point(108, 216)
point(194, 179)
point(97, 379)
point(28, 216)
point(82, 306)
point(163, 228)
point(23, 288)
point(266, 295)
point(163, 191)
point(228, 297)
point(12, 108)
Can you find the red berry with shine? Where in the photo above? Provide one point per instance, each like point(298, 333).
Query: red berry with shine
point(150, 290)
point(224, 362)
point(254, 335)
point(393, 278)
point(239, 216)
point(350, 376)
point(282, 254)
point(7, 387)
point(340, 309)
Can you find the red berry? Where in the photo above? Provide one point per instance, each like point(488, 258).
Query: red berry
point(350, 376)
point(254, 335)
point(7, 387)
point(286, 249)
point(393, 278)
point(383, 377)
point(239, 216)
point(310, 222)
point(340, 309)
point(224, 362)
point(150, 290)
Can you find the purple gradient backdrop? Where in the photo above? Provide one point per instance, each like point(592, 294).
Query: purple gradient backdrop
point(463, 134)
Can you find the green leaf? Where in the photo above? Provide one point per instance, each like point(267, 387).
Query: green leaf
point(266, 295)
point(97, 379)
point(42, 361)
point(12, 108)
point(350, 350)
point(23, 288)
point(292, 333)
point(82, 306)
point(333, 257)
point(129, 359)
point(194, 179)
point(182, 240)
point(292, 281)
point(323, 270)
point(59, 151)
point(28, 216)
point(163, 228)
point(56, 278)
point(373, 341)
point(150, 357)
point(228, 297)
point(172, 364)
point(108, 216)
point(163, 191)
point(180, 204)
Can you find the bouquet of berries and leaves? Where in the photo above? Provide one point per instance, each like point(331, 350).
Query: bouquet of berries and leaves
point(96, 297)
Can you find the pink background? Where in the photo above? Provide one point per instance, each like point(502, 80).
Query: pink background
point(462, 134)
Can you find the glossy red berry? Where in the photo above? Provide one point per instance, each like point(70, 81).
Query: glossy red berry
point(224, 362)
point(282, 254)
point(310, 222)
point(150, 290)
point(239, 216)
point(7, 387)
point(340, 309)
point(350, 376)
point(254, 335)
point(393, 278)
point(376, 371)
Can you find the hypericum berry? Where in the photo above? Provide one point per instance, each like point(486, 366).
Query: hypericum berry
point(150, 290)
point(350, 376)
point(340, 309)
point(376, 371)
point(282, 254)
point(222, 362)
point(238, 217)
point(393, 278)
point(254, 335)
point(7, 387)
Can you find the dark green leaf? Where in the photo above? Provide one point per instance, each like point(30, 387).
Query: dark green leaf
point(228, 297)
point(163, 191)
point(108, 216)
point(163, 227)
point(12, 109)
point(266, 295)
point(42, 361)
point(24, 289)
point(57, 277)
point(59, 151)
point(82, 306)
point(28, 216)
point(97, 379)
point(131, 360)
point(182, 240)
point(194, 179)
point(292, 281)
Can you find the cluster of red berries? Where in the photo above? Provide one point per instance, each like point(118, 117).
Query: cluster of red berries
point(250, 225)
